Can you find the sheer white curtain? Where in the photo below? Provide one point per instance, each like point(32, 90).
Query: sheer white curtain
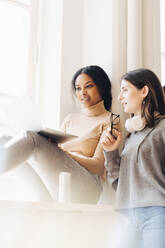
point(136, 39)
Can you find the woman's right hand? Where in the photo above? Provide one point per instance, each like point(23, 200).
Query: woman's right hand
point(109, 142)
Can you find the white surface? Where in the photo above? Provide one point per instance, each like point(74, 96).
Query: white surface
point(23, 184)
point(50, 225)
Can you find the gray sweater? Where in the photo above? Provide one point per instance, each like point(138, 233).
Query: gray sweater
point(138, 174)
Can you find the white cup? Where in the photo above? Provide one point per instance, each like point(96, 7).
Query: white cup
point(64, 194)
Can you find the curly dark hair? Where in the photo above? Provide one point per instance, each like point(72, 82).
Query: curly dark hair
point(101, 79)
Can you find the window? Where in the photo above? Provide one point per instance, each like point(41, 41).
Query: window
point(162, 26)
point(14, 46)
point(30, 61)
point(18, 60)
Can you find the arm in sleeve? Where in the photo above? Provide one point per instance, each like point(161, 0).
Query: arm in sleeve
point(112, 165)
point(94, 164)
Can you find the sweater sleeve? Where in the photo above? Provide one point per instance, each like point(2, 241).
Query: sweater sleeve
point(112, 165)
point(77, 149)
point(94, 163)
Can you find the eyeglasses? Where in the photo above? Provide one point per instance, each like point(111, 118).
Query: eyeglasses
point(115, 120)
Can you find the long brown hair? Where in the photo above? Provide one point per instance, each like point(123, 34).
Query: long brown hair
point(154, 101)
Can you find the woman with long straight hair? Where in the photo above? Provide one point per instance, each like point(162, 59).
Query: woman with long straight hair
point(138, 173)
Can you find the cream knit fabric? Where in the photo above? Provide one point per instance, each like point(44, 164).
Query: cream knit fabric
point(88, 126)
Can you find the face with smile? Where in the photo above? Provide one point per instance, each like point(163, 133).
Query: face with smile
point(131, 97)
point(87, 91)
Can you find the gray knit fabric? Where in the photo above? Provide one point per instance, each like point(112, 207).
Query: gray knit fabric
point(138, 175)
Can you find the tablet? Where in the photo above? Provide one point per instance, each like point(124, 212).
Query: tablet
point(56, 135)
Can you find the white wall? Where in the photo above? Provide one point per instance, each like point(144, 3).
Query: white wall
point(97, 33)
point(71, 59)
point(151, 35)
point(86, 40)
point(73, 34)
point(50, 50)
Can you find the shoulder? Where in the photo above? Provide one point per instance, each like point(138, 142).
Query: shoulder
point(152, 146)
point(159, 126)
point(159, 130)
point(105, 122)
point(161, 123)
point(157, 134)
point(106, 117)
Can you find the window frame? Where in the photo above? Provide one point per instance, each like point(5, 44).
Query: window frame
point(33, 48)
